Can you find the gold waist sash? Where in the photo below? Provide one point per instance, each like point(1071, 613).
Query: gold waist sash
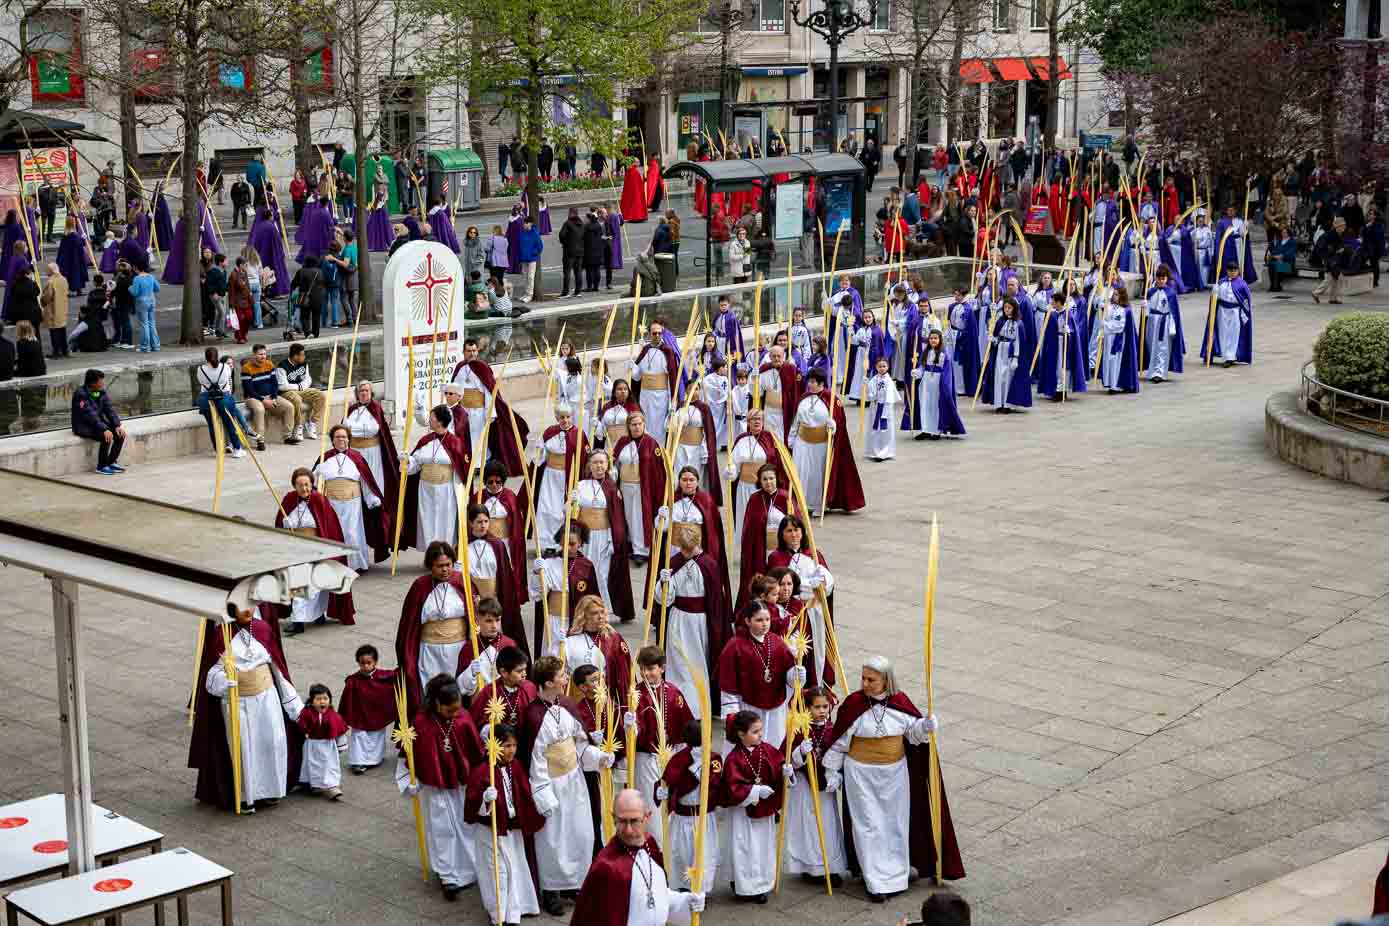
point(615, 433)
point(362, 443)
point(655, 381)
point(629, 473)
point(814, 435)
point(692, 435)
point(555, 602)
point(772, 539)
point(747, 472)
point(500, 528)
point(595, 519)
point(561, 758)
point(485, 588)
point(473, 398)
point(436, 473)
point(448, 630)
point(771, 400)
point(341, 490)
point(877, 750)
point(304, 531)
point(252, 682)
point(556, 461)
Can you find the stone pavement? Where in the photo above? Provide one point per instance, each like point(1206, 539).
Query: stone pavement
point(1162, 666)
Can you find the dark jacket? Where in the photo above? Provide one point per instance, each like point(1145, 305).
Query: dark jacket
point(595, 247)
point(7, 359)
point(29, 358)
point(92, 415)
point(24, 304)
point(308, 282)
point(241, 193)
point(571, 237)
point(94, 340)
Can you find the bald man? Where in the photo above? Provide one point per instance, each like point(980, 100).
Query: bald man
point(626, 886)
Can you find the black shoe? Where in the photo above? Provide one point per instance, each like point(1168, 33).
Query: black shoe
point(922, 436)
point(358, 769)
point(260, 445)
point(450, 893)
point(551, 904)
point(565, 294)
point(294, 629)
point(876, 898)
point(758, 899)
point(1229, 363)
point(321, 621)
point(999, 411)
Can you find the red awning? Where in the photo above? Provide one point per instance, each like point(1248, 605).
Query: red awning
point(1041, 66)
point(1012, 68)
point(974, 71)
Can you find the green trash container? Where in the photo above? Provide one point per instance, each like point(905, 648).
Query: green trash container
point(349, 164)
point(462, 170)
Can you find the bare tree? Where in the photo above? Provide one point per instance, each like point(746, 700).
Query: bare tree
point(915, 44)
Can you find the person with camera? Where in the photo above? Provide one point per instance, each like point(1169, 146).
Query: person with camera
point(215, 379)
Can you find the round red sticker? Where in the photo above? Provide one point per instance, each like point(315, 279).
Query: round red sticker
point(51, 846)
point(12, 823)
point(112, 885)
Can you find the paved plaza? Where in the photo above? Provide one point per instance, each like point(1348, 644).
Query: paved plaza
point(1162, 666)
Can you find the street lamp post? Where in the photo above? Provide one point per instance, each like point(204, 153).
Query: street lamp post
point(725, 19)
point(834, 22)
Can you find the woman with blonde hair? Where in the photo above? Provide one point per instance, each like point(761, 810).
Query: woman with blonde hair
point(592, 641)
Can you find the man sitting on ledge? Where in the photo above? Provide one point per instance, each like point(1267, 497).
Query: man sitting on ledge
point(94, 418)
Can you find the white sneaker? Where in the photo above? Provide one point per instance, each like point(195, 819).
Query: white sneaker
point(311, 431)
point(299, 432)
point(237, 453)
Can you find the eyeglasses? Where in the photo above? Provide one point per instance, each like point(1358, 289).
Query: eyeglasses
point(631, 821)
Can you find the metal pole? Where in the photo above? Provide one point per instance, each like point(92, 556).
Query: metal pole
point(72, 725)
point(833, 39)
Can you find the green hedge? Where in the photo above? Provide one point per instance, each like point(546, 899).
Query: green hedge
point(560, 186)
point(1353, 354)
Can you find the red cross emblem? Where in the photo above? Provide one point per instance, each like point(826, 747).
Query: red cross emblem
point(427, 283)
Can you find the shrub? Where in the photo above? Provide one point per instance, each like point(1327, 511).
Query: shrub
point(1353, 354)
point(559, 186)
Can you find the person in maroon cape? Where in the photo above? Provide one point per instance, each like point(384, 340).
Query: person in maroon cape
point(691, 598)
point(631, 865)
point(788, 377)
point(750, 451)
point(757, 672)
point(634, 199)
point(375, 523)
point(763, 515)
point(459, 423)
point(271, 741)
point(553, 461)
point(582, 580)
point(431, 511)
point(307, 512)
point(506, 521)
point(475, 671)
point(518, 820)
point(793, 552)
point(755, 774)
point(592, 641)
point(698, 444)
point(659, 704)
point(446, 748)
point(612, 417)
point(641, 471)
point(368, 706)
point(472, 374)
point(325, 733)
point(846, 488)
point(600, 509)
point(655, 378)
point(655, 184)
point(691, 505)
point(370, 435)
point(433, 622)
point(489, 571)
point(1381, 904)
point(680, 784)
point(510, 686)
point(879, 746)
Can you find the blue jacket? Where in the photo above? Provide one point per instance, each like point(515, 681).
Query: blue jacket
point(257, 382)
point(255, 173)
point(93, 414)
point(529, 246)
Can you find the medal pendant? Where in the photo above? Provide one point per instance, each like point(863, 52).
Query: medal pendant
point(650, 901)
point(448, 746)
point(766, 675)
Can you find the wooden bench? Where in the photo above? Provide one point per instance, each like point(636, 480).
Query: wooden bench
point(112, 892)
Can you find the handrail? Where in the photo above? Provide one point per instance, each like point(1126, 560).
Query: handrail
point(1342, 407)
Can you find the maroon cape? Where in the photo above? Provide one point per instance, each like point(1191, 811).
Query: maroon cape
point(846, 489)
point(340, 607)
point(574, 442)
point(465, 656)
point(501, 438)
point(768, 444)
point(619, 575)
point(515, 704)
point(531, 720)
point(368, 701)
point(327, 725)
point(441, 768)
point(376, 521)
point(743, 768)
point(672, 367)
point(607, 889)
point(407, 632)
point(633, 206)
point(409, 522)
point(923, 848)
point(711, 446)
point(652, 471)
point(507, 584)
point(790, 395)
point(516, 537)
point(680, 779)
point(617, 669)
point(753, 559)
point(390, 457)
point(528, 818)
point(583, 580)
point(676, 711)
point(711, 542)
point(207, 748)
point(742, 663)
point(815, 675)
point(717, 607)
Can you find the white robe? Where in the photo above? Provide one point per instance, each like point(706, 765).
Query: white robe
point(695, 455)
point(881, 438)
point(857, 374)
point(637, 516)
point(749, 852)
point(772, 418)
point(1203, 239)
point(745, 451)
point(367, 748)
point(564, 846)
point(615, 417)
point(599, 548)
point(553, 569)
point(321, 765)
point(496, 510)
point(715, 391)
point(305, 610)
point(953, 333)
point(469, 681)
point(1227, 319)
point(438, 504)
point(1007, 361)
point(927, 389)
point(803, 855)
point(361, 424)
point(812, 574)
point(446, 836)
point(667, 906)
point(655, 402)
point(349, 511)
point(742, 401)
point(689, 631)
point(264, 744)
point(879, 797)
point(810, 458)
point(443, 603)
point(1111, 367)
point(513, 871)
point(680, 848)
point(593, 401)
point(1162, 334)
point(477, 417)
point(551, 489)
point(579, 649)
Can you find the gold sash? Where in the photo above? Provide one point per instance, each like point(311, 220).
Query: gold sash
point(877, 750)
point(448, 630)
point(655, 381)
point(772, 539)
point(692, 435)
point(363, 443)
point(629, 473)
point(682, 529)
point(486, 588)
point(473, 398)
point(561, 758)
point(499, 528)
point(747, 472)
point(595, 519)
point(341, 490)
point(436, 473)
point(814, 435)
point(251, 682)
point(556, 460)
point(555, 601)
point(615, 433)
point(304, 531)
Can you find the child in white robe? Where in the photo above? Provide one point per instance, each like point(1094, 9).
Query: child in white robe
point(325, 738)
point(803, 854)
point(368, 707)
point(881, 443)
point(516, 810)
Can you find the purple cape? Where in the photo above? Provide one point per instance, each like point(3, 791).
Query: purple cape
point(1228, 255)
point(412, 227)
point(544, 223)
point(34, 230)
point(72, 261)
point(315, 233)
point(163, 222)
point(133, 253)
point(966, 352)
point(442, 227)
point(949, 412)
point(269, 243)
point(1244, 353)
point(1174, 306)
point(1020, 387)
point(13, 232)
point(173, 265)
point(614, 223)
point(379, 234)
point(139, 228)
point(513, 240)
point(727, 326)
point(109, 256)
point(1077, 346)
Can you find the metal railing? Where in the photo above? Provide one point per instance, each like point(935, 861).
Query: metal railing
point(1344, 409)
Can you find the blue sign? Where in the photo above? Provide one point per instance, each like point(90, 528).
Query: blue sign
point(839, 206)
point(1096, 142)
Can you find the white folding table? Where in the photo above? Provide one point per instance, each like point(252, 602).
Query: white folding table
point(111, 892)
point(33, 838)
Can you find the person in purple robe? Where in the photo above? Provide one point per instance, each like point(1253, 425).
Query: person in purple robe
point(163, 221)
point(173, 257)
point(315, 232)
point(1235, 249)
point(412, 226)
point(932, 410)
point(12, 232)
point(1062, 364)
point(441, 224)
point(379, 234)
point(209, 230)
point(34, 230)
point(1103, 221)
point(728, 329)
point(110, 253)
point(72, 258)
point(1178, 251)
point(544, 223)
point(1233, 329)
point(513, 238)
point(137, 224)
point(268, 240)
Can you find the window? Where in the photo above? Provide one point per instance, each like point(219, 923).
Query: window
point(768, 16)
point(54, 40)
point(1041, 9)
point(1003, 15)
point(882, 16)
